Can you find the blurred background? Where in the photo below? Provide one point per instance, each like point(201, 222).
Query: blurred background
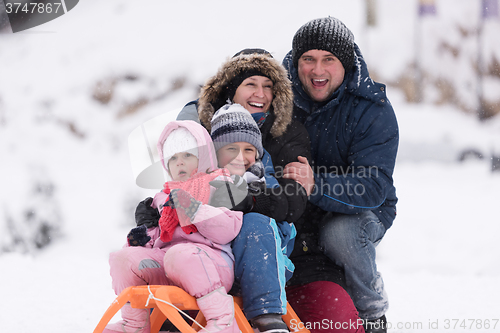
point(74, 88)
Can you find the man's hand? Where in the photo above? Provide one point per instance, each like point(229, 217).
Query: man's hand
point(301, 172)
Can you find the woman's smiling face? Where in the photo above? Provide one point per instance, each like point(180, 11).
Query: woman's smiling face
point(255, 94)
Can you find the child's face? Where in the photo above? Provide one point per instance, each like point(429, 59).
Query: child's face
point(237, 157)
point(182, 166)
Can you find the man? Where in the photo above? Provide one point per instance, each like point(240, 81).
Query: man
point(354, 140)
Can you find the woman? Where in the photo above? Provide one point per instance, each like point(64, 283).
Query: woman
point(285, 139)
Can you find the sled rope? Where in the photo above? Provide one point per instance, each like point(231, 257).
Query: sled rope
point(151, 296)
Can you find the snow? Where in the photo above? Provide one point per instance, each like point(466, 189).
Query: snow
point(439, 260)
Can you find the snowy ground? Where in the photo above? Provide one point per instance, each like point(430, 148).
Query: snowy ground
point(440, 261)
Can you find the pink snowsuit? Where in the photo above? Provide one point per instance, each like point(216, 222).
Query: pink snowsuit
point(200, 262)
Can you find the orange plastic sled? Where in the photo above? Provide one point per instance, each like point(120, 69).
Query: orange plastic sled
point(161, 299)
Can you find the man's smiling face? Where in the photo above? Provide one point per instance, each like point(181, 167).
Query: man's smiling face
point(321, 73)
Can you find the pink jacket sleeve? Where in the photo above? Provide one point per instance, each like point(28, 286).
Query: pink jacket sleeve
point(218, 224)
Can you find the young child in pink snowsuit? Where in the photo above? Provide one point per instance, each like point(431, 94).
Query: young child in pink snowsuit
point(191, 247)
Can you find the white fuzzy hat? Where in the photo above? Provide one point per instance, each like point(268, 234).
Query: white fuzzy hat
point(179, 140)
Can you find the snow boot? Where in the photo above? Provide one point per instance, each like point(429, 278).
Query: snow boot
point(218, 309)
point(134, 321)
point(269, 323)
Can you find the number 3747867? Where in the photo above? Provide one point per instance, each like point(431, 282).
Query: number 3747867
point(471, 324)
point(32, 7)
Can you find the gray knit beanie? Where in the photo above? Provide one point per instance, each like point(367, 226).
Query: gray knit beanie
point(233, 123)
point(327, 34)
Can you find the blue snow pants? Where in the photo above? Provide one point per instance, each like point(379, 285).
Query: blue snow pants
point(262, 266)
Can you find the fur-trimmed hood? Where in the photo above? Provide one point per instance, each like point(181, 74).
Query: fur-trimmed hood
point(214, 90)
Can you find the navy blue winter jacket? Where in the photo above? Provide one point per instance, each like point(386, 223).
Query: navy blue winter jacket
point(354, 141)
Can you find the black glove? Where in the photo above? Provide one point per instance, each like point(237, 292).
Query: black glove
point(286, 202)
point(146, 215)
point(234, 196)
point(256, 188)
point(257, 169)
point(272, 202)
point(138, 236)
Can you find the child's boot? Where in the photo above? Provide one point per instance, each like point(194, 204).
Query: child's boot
point(218, 309)
point(134, 321)
point(269, 322)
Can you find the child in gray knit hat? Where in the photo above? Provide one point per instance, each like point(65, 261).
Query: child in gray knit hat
point(238, 142)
